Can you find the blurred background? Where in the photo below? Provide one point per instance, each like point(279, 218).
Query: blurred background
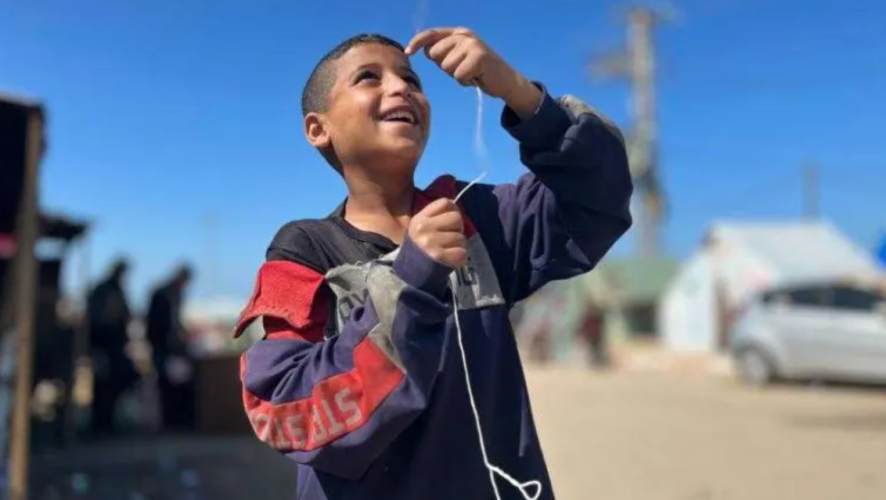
point(731, 346)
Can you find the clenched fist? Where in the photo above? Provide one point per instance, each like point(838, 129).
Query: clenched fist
point(438, 230)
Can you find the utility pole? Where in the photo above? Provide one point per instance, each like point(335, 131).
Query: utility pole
point(637, 64)
point(642, 67)
point(811, 191)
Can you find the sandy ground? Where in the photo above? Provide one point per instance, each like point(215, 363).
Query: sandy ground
point(667, 437)
point(613, 436)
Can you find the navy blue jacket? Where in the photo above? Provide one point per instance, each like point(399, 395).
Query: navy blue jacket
point(358, 378)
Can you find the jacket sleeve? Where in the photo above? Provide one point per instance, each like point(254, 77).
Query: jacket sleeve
point(559, 219)
point(336, 403)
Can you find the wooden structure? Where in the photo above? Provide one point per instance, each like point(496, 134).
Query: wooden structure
point(21, 148)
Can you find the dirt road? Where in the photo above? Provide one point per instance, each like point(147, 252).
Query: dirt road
point(664, 437)
point(607, 437)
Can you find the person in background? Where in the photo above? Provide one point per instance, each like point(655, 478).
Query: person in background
point(593, 334)
point(109, 315)
point(169, 352)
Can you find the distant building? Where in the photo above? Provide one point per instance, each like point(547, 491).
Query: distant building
point(738, 259)
point(628, 292)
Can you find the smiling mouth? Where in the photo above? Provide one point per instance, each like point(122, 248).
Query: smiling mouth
point(401, 116)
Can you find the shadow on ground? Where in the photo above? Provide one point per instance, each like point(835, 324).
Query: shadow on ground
point(164, 468)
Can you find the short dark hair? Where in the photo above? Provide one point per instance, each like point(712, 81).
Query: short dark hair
point(119, 266)
point(184, 272)
point(314, 95)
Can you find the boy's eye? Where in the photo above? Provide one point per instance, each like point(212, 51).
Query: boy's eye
point(412, 80)
point(364, 75)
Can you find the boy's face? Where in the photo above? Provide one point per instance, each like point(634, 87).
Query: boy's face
point(376, 110)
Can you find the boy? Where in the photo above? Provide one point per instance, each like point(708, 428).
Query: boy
point(358, 375)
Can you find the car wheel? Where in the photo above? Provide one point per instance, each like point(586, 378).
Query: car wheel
point(755, 368)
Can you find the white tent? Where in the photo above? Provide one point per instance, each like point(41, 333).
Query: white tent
point(740, 258)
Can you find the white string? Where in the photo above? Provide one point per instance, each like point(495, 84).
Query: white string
point(492, 468)
point(479, 145)
point(480, 151)
point(421, 13)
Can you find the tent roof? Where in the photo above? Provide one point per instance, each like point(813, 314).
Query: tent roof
point(61, 227)
point(20, 101)
point(640, 280)
point(797, 250)
point(632, 280)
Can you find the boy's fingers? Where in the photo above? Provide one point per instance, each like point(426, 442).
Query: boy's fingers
point(449, 221)
point(468, 71)
point(438, 206)
point(425, 38)
point(432, 36)
point(441, 49)
point(452, 240)
point(453, 61)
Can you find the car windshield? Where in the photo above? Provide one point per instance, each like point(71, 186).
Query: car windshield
point(843, 297)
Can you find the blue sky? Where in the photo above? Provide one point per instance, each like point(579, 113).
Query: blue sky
point(175, 126)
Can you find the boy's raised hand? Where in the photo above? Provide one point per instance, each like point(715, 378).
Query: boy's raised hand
point(438, 230)
point(461, 54)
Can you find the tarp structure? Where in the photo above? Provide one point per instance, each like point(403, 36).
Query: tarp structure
point(741, 258)
point(15, 117)
point(22, 284)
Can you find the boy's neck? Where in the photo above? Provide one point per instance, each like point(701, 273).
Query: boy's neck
point(382, 206)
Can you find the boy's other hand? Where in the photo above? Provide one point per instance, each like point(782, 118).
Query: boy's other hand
point(438, 230)
point(461, 54)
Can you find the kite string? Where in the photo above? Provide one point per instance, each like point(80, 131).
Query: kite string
point(483, 159)
point(479, 145)
point(421, 13)
point(492, 468)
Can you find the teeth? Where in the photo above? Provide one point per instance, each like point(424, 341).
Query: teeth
point(402, 114)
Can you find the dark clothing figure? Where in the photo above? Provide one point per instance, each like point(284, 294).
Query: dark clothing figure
point(53, 359)
point(540, 344)
point(593, 334)
point(114, 373)
point(171, 360)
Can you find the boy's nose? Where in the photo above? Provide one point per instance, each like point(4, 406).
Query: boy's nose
point(398, 86)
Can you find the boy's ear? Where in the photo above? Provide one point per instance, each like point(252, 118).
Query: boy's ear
point(316, 131)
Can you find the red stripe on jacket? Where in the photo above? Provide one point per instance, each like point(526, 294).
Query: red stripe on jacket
point(290, 299)
point(292, 293)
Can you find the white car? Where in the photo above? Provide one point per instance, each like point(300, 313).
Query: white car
point(813, 331)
